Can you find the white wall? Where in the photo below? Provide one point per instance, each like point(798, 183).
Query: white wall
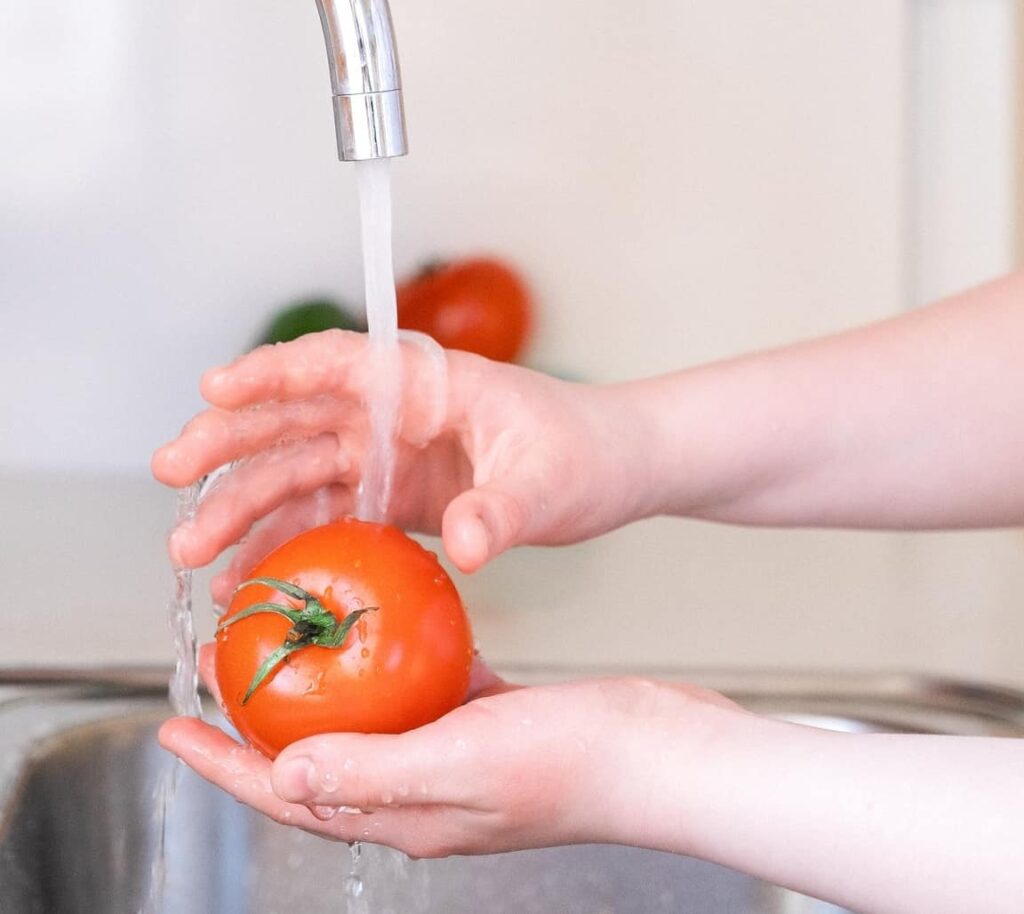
point(680, 180)
point(963, 106)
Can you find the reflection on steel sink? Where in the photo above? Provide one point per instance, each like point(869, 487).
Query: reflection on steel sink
point(81, 776)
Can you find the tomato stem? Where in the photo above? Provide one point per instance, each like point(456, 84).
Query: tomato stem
point(313, 625)
point(430, 267)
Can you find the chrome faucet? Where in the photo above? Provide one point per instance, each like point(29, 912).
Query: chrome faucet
point(368, 111)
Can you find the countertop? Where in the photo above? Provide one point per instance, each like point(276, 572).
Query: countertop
point(88, 583)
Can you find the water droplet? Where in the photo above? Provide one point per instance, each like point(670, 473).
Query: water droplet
point(460, 744)
point(353, 886)
point(403, 790)
point(349, 765)
point(350, 810)
point(387, 798)
point(364, 653)
point(329, 781)
point(315, 685)
point(324, 813)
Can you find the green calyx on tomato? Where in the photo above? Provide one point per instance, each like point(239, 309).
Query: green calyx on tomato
point(313, 625)
point(401, 667)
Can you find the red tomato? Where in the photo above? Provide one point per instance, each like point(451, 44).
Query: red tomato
point(479, 306)
point(404, 662)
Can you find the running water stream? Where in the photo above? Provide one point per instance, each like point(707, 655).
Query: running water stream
point(184, 688)
point(383, 399)
point(374, 495)
point(184, 696)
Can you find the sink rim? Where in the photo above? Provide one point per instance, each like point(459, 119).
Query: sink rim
point(82, 698)
point(975, 698)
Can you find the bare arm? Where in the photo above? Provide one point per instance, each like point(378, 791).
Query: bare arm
point(882, 824)
point(917, 422)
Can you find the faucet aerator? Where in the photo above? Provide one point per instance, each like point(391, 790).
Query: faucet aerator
point(368, 112)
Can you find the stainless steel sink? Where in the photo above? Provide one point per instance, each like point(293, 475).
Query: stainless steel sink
point(82, 782)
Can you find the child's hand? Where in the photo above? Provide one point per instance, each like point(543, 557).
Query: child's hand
point(871, 822)
point(498, 455)
point(514, 768)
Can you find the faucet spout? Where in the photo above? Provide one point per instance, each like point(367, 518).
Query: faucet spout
point(363, 60)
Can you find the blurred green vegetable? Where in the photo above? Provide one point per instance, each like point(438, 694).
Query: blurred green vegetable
point(304, 317)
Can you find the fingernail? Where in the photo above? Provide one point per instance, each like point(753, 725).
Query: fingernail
point(295, 781)
point(214, 377)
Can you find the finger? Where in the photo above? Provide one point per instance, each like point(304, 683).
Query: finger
point(254, 490)
point(217, 437)
point(245, 774)
point(342, 365)
point(314, 364)
point(419, 768)
point(240, 770)
point(281, 525)
point(480, 524)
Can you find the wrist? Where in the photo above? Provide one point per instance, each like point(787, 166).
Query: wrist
point(662, 742)
point(629, 443)
point(726, 441)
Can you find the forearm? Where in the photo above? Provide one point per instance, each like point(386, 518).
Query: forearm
point(914, 422)
point(882, 824)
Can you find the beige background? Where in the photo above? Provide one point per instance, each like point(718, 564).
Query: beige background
point(681, 181)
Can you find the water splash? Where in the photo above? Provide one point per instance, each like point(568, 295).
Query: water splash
point(322, 506)
point(166, 786)
point(183, 691)
point(184, 686)
point(354, 885)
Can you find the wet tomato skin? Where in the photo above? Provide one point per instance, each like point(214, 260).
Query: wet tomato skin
point(403, 665)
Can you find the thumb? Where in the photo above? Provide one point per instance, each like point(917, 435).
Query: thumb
point(483, 522)
point(372, 771)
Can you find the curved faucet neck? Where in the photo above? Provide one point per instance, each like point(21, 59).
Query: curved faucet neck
point(363, 60)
